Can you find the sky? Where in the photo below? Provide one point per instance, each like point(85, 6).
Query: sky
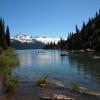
point(50, 18)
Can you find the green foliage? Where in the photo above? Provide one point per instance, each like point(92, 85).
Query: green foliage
point(87, 37)
point(8, 60)
point(61, 45)
point(11, 84)
point(42, 81)
point(50, 45)
point(8, 36)
point(77, 30)
point(1, 50)
point(4, 35)
point(75, 87)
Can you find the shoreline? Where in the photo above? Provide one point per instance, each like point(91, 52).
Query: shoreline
point(29, 91)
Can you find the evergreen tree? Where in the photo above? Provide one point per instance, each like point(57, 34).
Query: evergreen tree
point(8, 36)
point(83, 25)
point(99, 11)
point(77, 30)
point(87, 37)
point(2, 34)
point(61, 44)
point(96, 14)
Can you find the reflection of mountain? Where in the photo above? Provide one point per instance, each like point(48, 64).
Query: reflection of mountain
point(35, 58)
point(85, 63)
point(25, 60)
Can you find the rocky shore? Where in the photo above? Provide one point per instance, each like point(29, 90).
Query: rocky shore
point(29, 91)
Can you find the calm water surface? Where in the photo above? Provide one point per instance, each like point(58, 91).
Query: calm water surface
point(80, 68)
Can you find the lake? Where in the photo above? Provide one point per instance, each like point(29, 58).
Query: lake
point(80, 68)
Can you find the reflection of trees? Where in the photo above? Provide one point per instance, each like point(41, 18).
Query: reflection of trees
point(85, 63)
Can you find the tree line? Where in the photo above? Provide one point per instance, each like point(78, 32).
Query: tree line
point(88, 37)
point(4, 35)
point(61, 45)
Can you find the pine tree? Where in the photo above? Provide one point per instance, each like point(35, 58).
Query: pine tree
point(61, 44)
point(96, 14)
point(8, 36)
point(88, 36)
point(99, 11)
point(2, 34)
point(83, 25)
point(77, 30)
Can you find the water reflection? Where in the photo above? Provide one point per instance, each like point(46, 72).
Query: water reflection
point(75, 67)
point(86, 67)
point(29, 58)
point(25, 60)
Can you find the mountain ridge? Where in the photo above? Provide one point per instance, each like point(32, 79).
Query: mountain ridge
point(27, 38)
point(22, 41)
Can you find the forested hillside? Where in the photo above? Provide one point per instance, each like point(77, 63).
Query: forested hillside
point(88, 37)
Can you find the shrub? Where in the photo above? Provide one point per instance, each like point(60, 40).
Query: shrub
point(11, 84)
point(1, 50)
point(8, 60)
point(42, 81)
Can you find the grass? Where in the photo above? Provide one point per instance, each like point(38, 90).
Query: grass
point(42, 81)
point(8, 60)
point(75, 87)
point(10, 84)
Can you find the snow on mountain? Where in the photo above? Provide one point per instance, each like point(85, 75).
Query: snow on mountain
point(46, 40)
point(26, 38)
point(23, 38)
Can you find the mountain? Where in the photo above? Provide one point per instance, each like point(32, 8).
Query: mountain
point(22, 41)
point(26, 45)
point(23, 38)
point(47, 40)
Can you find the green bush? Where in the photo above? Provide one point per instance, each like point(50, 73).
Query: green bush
point(1, 50)
point(8, 60)
point(11, 84)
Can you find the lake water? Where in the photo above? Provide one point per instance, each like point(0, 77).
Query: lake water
point(80, 68)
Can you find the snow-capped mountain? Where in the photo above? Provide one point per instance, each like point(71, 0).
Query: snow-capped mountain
point(23, 38)
point(28, 39)
point(21, 41)
point(46, 40)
